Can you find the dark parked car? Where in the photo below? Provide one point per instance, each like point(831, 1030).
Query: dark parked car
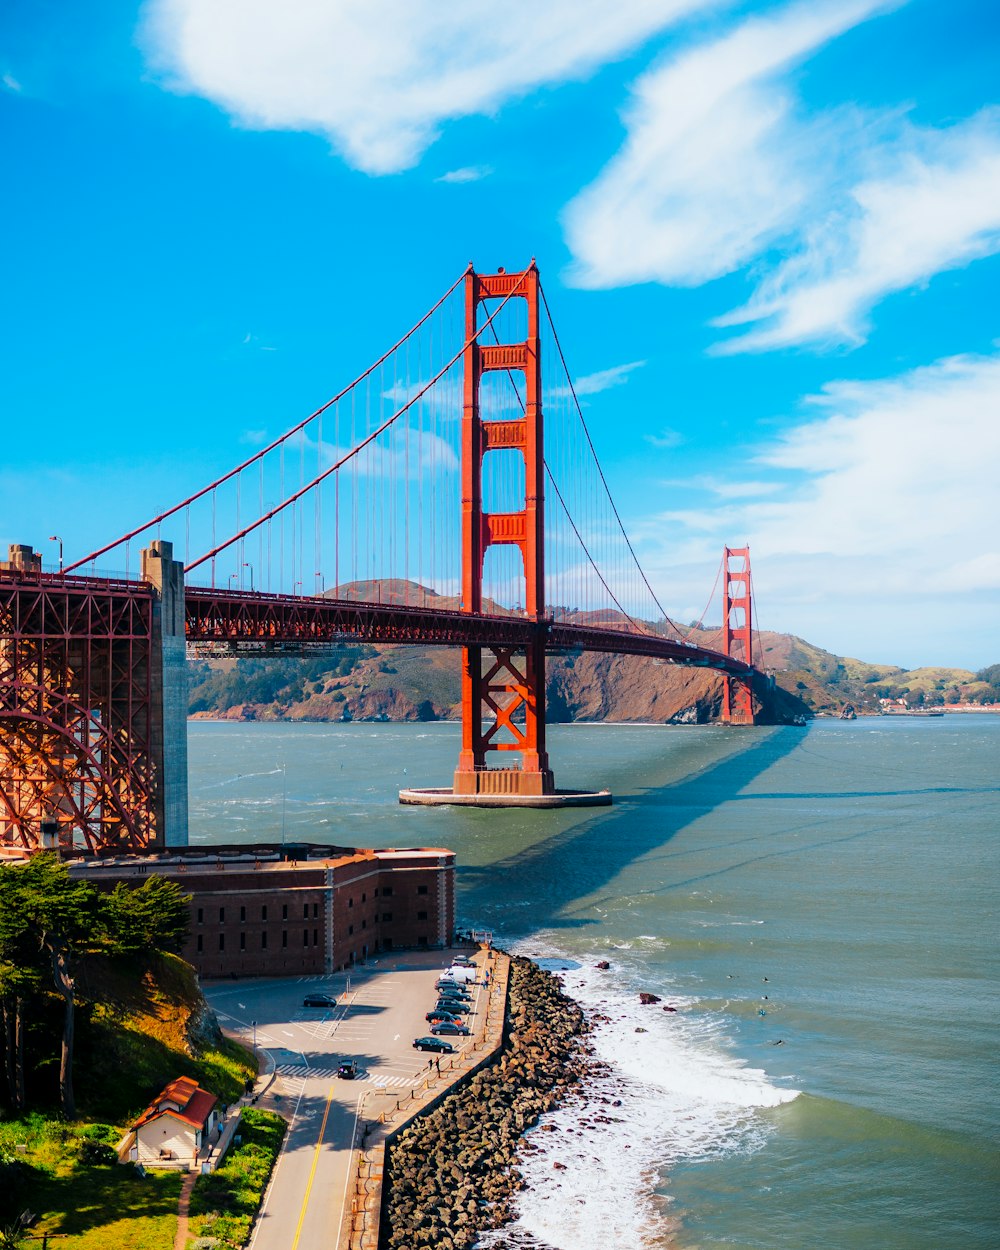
point(433, 1043)
point(457, 1006)
point(437, 1016)
point(453, 991)
point(319, 1000)
point(348, 1070)
point(451, 1027)
point(453, 988)
point(463, 961)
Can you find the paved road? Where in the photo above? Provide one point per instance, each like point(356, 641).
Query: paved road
point(380, 1010)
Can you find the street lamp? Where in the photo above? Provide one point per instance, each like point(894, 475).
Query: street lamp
point(229, 584)
point(249, 566)
point(54, 538)
point(298, 586)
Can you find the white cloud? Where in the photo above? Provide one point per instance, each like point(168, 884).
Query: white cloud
point(380, 77)
point(883, 542)
point(11, 83)
point(723, 169)
point(939, 210)
point(468, 173)
point(712, 170)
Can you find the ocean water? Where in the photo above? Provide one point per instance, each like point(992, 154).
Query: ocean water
point(819, 908)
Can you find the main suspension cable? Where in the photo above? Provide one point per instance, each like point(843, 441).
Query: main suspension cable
point(88, 559)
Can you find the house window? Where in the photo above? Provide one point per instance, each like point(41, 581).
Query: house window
point(305, 937)
point(350, 929)
point(421, 889)
point(263, 941)
point(243, 914)
point(387, 915)
point(421, 915)
point(364, 898)
point(364, 924)
point(350, 902)
point(315, 937)
point(201, 915)
point(387, 891)
point(315, 910)
point(200, 944)
point(243, 941)
point(263, 912)
point(222, 941)
point(222, 915)
point(284, 911)
point(284, 938)
point(305, 911)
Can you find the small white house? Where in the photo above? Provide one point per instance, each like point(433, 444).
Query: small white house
point(174, 1127)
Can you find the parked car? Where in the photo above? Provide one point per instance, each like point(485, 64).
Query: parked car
point(437, 1016)
point(453, 1006)
point(319, 1000)
point(452, 1027)
point(453, 989)
point(462, 961)
point(348, 1070)
point(433, 1043)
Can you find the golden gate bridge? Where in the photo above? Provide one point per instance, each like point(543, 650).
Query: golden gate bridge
point(428, 502)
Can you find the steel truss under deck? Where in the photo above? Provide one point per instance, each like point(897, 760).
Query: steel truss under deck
point(75, 712)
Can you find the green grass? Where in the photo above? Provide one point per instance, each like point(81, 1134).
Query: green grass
point(95, 1206)
point(225, 1203)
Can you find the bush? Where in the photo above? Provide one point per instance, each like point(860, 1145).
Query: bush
point(225, 1203)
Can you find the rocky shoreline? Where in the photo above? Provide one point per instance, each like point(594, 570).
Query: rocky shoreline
point(452, 1173)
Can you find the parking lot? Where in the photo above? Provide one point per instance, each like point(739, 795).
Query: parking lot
point(377, 1012)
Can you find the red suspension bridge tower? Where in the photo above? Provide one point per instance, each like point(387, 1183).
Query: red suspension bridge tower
point(737, 633)
point(497, 684)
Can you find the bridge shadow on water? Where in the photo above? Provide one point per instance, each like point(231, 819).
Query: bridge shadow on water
point(535, 886)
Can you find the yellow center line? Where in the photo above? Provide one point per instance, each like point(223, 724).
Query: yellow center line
point(312, 1170)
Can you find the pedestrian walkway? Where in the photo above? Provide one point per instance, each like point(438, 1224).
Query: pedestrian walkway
point(376, 1078)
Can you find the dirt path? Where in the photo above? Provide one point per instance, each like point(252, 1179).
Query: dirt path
point(183, 1204)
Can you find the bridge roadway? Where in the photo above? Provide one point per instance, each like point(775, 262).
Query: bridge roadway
point(380, 1010)
point(252, 623)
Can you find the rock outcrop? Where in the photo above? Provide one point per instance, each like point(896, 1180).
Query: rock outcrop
point(451, 1174)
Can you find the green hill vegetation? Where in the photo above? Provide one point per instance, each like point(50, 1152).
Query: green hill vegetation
point(99, 1015)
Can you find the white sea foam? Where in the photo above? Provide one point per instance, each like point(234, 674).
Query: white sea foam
point(670, 1091)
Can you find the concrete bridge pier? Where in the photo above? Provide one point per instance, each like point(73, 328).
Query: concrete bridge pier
point(168, 691)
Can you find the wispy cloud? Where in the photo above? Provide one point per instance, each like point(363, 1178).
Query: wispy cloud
point(723, 169)
point(937, 210)
point(886, 514)
point(468, 173)
point(11, 83)
point(381, 79)
point(602, 380)
point(707, 176)
point(665, 440)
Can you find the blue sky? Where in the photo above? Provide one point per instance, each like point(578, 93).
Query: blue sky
point(786, 217)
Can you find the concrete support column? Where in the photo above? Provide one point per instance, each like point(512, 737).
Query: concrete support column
point(169, 693)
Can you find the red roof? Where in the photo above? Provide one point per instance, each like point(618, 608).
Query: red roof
point(191, 1103)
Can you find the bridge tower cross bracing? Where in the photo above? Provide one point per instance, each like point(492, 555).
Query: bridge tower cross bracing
point(497, 683)
point(737, 638)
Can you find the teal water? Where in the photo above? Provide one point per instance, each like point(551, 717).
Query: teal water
point(847, 871)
